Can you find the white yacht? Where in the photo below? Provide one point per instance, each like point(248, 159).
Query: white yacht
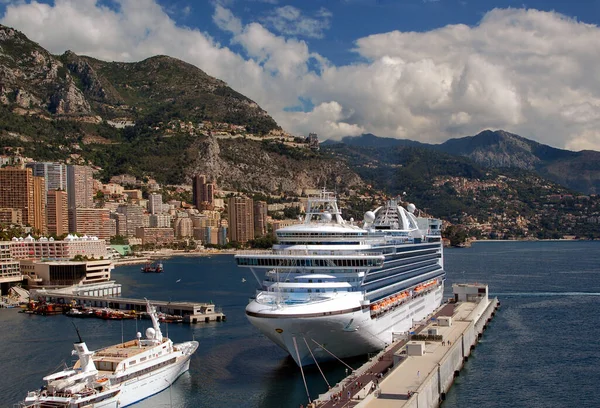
point(116, 376)
point(333, 289)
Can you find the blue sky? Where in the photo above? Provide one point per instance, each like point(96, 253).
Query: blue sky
point(353, 19)
point(425, 70)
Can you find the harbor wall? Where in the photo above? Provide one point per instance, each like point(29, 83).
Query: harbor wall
point(433, 389)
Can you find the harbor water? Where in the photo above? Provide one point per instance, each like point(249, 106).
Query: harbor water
point(541, 349)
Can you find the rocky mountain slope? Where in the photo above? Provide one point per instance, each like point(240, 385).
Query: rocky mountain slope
point(159, 118)
point(579, 171)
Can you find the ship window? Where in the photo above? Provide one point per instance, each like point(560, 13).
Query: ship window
point(309, 290)
point(310, 281)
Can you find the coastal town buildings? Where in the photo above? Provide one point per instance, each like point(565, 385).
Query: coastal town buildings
point(80, 186)
point(53, 274)
point(19, 189)
point(133, 217)
point(57, 212)
point(44, 249)
point(155, 203)
point(92, 221)
point(39, 205)
point(156, 236)
point(10, 270)
point(203, 192)
point(260, 218)
point(241, 219)
point(54, 174)
point(11, 216)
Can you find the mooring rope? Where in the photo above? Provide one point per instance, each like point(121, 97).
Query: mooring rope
point(301, 370)
point(323, 347)
point(313, 356)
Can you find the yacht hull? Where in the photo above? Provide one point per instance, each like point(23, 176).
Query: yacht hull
point(311, 340)
point(145, 386)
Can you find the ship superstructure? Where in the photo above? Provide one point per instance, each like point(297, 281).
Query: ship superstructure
point(333, 289)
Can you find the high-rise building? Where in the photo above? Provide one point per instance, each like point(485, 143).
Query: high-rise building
point(241, 219)
point(80, 187)
point(198, 180)
point(184, 227)
point(58, 212)
point(11, 216)
point(91, 221)
point(55, 174)
point(160, 221)
point(222, 236)
point(155, 203)
point(203, 193)
point(120, 223)
point(17, 191)
point(134, 216)
point(39, 205)
point(260, 218)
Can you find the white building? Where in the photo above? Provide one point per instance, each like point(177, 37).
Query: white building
point(49, 249)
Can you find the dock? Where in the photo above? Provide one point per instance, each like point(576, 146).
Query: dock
point(190, 311)
point(418, 370)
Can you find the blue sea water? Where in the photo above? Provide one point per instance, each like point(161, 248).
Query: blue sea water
point(541, 350)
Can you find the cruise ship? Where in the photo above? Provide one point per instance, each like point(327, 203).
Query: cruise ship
point(118, 375)
point(331, 289)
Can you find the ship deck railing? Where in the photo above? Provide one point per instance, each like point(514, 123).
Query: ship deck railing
point(311, 252)
point(275, 299)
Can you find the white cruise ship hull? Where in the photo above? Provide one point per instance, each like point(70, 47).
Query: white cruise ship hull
point(311, 339)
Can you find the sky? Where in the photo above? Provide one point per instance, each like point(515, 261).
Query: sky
point(425, 70)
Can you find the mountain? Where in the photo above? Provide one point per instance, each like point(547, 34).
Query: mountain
point(579, 171)
point(160, 118)
point(164, 119)
point(370, 140)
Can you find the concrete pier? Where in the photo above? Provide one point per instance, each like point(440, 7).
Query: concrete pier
point(191, 312)
point(417, 372)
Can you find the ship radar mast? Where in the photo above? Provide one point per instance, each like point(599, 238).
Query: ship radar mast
point(154, 332)
point(323, 208)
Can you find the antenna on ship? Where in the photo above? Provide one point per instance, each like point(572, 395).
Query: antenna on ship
point(77, 330)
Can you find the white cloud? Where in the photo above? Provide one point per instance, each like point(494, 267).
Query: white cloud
point(226, 21)
point(526, 71)
point(330, 117)
point(289, 20)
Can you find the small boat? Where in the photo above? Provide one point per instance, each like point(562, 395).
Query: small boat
point(153, 267)
point(118, 375)
point(75, 312)
point(50, 309)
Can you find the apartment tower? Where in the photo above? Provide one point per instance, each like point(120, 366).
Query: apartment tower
point(260, 219)
point(58, 212)
point(20, 190)
point(241, 219)
point(80, 187)
point(203, 193)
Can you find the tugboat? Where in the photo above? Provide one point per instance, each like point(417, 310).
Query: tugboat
point(153, 267)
